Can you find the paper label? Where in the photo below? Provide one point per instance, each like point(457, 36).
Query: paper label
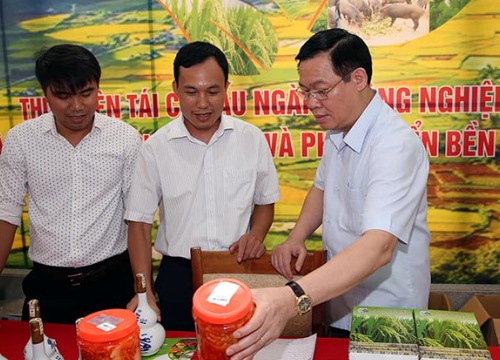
point(105, 322)
point(106, 326)
point(223, 293)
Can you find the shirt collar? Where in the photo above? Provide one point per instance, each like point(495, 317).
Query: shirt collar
point(357, 134)
point(227, 123)
point(50, 124)
point(179, 130)
point(99, 121)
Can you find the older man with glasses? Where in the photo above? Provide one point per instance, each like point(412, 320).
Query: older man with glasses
point(369, 196)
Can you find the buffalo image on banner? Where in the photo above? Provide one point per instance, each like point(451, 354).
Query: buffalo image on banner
point(435, 62)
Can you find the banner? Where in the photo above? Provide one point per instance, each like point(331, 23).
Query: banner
point(435, 62)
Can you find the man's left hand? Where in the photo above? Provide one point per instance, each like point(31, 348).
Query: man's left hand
point(248, 247)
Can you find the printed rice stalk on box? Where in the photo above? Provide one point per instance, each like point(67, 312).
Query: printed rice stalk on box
point(382, 333)
point(449, 335)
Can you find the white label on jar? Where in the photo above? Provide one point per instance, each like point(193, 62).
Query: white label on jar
point(223, 293)
point(106, 326)
point(104, 318)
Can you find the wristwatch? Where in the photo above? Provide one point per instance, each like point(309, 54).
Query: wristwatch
point(304, 303)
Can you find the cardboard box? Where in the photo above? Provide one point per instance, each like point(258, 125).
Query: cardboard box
point(382, 334)
point(440, 301)
point(449, 335)
point(486, 308)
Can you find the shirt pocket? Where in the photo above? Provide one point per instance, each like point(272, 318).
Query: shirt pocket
point(354, 203)
point(239, 187)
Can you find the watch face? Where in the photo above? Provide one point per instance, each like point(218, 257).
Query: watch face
point(304, 304)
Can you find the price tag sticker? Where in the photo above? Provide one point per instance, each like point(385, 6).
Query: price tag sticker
point(223, 293)
point(106, 326)
point(105, 322)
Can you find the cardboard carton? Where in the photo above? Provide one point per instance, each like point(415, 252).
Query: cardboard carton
point(449, 335)
point(440, 301)
point(382, 334)
point(486, 308)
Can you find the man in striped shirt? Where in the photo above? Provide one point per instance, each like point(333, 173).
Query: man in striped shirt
point(211, 175)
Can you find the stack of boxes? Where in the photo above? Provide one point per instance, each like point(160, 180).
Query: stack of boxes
point(425, 334)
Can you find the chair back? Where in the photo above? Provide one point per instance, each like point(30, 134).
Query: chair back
point(258, 273)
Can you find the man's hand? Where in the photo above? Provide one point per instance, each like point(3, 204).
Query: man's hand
point(282, 257)
point(273, 308)
point(248, 247)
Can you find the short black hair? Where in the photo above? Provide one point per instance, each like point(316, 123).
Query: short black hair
point(196, 53)
point(347, 51)
point(66, 67)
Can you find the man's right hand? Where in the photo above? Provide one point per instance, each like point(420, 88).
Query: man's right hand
point(132, 304)
point(282, 257)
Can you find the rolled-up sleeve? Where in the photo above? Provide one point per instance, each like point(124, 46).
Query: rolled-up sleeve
point(13, 181)
point(145, 190)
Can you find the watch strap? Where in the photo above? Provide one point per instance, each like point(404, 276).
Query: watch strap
point(297, 289)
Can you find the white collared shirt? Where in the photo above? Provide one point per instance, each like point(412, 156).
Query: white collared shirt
point(376, 178)
point(76, 194)
point(205, 192)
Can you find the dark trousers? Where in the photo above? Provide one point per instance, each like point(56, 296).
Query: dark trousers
point(66, 294)
point(336, 332)
point(174, 286)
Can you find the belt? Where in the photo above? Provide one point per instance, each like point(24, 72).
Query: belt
point(81, 275)
point(177, 260)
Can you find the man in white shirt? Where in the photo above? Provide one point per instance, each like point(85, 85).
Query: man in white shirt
point(211, 175)
point(369, 195)
point(76, 166)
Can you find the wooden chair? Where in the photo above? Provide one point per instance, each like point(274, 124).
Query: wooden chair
point(257, 273)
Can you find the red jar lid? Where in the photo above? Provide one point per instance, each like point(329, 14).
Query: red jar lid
point(107, 325)
point(208, 301)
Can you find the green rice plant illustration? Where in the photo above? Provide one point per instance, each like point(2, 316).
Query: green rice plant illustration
point(317, 14)
point(244, 34)
point(449, 333)
point(383, 329)
point(291, 8)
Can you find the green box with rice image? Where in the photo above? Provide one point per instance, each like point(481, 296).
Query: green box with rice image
point(382, 334)
point(450, 335)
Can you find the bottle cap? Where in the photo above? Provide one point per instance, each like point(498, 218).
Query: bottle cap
point(34, 308)
point(140, 283)
point(107, 325)
point(222, 301)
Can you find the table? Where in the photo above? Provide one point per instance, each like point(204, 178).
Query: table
point(14, 335)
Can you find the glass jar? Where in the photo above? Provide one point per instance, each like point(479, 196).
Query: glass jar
point(219, 308)
point(109, 334)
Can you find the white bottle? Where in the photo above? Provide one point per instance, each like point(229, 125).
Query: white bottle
point(49, 344)
point(37, 340)
point(151, 339)
point(146, 316)
point(152, 333)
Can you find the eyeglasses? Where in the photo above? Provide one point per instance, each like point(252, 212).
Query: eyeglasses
point(319, 95)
